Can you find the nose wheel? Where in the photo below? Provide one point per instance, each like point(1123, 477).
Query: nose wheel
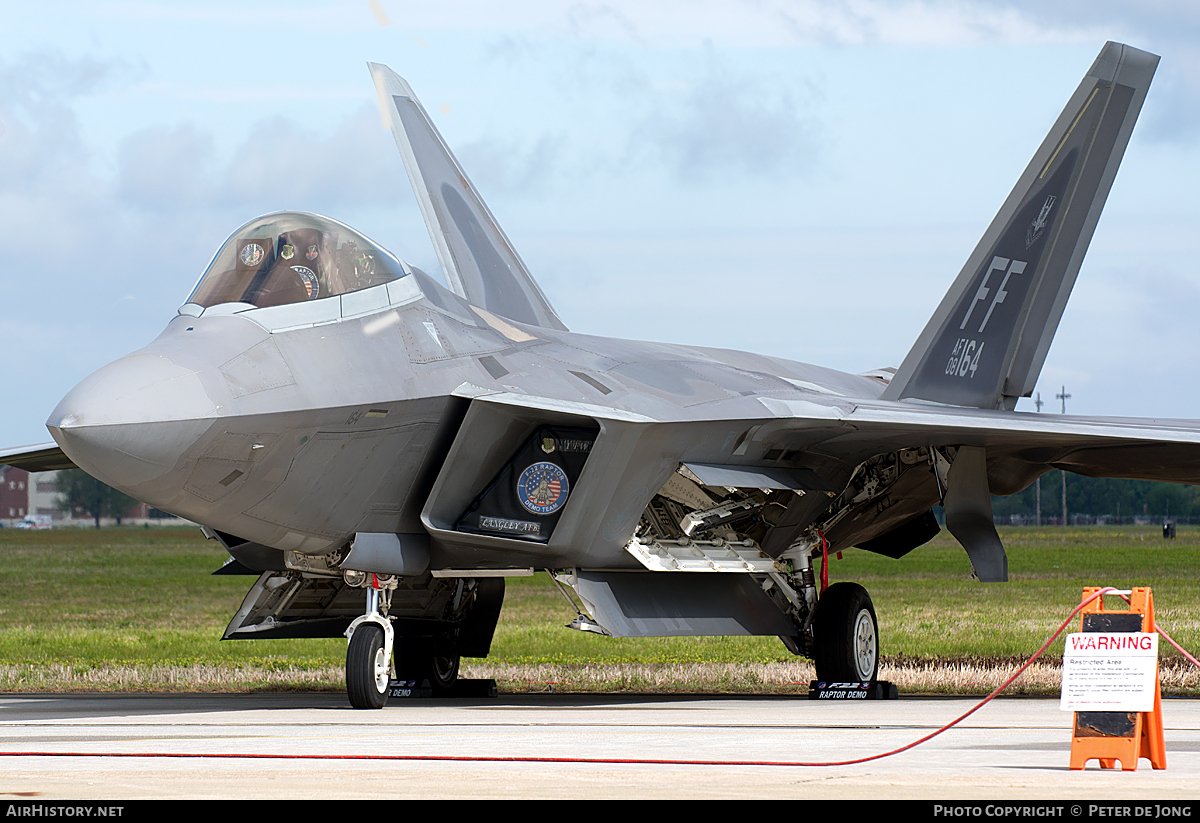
point(369, 653)
point(368, 669)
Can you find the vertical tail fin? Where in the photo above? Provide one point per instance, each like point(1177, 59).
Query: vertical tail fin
point(480, 263)
point(985, 345)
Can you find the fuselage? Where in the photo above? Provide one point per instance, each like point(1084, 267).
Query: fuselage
point(296, 426)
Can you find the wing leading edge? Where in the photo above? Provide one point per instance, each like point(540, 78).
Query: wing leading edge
point(479, 261)
point(44, 457)
point(985, 345)
point(1022, 446)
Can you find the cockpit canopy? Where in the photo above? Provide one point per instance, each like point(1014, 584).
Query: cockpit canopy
point(293, 257)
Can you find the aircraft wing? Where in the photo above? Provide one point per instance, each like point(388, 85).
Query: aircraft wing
point(1133, 448)
point(480, 263)
point(859, 471)
point(43, 457)
point(821, 430)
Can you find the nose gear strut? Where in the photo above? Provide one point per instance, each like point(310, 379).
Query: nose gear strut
point(369, 652)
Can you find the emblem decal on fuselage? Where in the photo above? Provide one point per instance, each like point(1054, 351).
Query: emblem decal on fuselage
point(542, 488)
point(311, 284)
point(252, 254)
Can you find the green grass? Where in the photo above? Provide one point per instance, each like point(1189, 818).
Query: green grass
point(129, 596)
point(928, 607)
point(143, 606)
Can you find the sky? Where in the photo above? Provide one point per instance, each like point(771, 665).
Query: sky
point(798, 178)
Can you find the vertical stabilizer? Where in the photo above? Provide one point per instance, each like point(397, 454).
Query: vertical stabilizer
point(985, 345)
point(479, 262)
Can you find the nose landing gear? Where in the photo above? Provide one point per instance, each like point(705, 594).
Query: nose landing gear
point(369, 653)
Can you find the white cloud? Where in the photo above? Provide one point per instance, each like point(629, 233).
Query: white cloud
point(727, 122)
point(41, 138)
point(164, 169)
point(287, 163)
point(748, 23)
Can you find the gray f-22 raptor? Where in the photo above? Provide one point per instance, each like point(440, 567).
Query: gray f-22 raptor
point(382, 451)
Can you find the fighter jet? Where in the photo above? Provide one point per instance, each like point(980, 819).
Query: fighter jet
point(382, 451)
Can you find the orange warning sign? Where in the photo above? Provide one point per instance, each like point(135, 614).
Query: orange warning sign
point(1124, 736)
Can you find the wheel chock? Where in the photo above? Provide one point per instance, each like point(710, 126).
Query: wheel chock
point(874, 690)
point(462, 688)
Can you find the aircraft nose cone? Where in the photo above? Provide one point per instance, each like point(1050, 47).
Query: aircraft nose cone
point(129, 422)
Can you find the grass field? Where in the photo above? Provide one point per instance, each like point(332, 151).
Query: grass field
point(129, 608)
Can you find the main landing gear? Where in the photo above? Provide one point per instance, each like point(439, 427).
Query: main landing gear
point(427, 662)
point(838, 628)
point(846, 635)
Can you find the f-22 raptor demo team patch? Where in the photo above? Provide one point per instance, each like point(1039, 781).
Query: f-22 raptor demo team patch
point(543, 488)
point(525, 500)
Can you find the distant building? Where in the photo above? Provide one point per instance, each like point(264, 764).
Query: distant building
point(23, 493)
point(43, 495)
point(14, 495)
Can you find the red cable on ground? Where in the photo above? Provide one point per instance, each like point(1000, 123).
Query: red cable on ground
point(612, 760)
point(1168, 638)
point(1195, 662)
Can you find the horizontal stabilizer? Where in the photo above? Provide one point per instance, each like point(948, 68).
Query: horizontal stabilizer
point(985, 345)
point(479, 262)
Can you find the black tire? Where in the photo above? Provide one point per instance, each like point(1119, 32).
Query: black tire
point(367, 668)
point(443, 672)
point(427, 660)
point(846, 634)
